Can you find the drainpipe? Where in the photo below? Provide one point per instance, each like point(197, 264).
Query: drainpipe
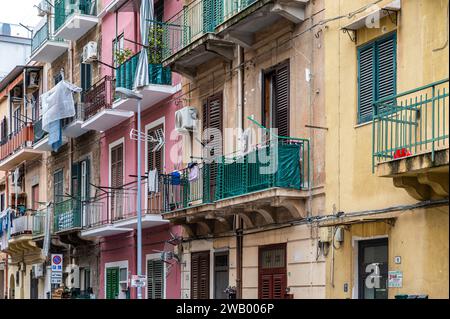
point(240, 126)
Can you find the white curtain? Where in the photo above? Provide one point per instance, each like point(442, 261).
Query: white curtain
point(146, 14)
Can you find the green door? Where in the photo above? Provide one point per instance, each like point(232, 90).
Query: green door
point(112, 283)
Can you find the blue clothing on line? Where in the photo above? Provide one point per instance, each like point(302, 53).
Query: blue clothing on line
point(55, 135)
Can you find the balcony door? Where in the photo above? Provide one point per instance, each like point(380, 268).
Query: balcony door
point(373, 269)
point(117, 164)
point(200, 275)
point(80, 187)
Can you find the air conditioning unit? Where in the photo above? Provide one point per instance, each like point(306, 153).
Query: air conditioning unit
point(186, 119)
point(43, 8)
point(38, 270)
point(73, 276)
point(90, 52)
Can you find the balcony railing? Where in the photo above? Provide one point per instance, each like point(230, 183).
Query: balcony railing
point(195, 20)
point(24, 137)
point(411, 123)
point(99, 96)
point(126, 73)
point(39, 222)
point(79, 115)
point(283, 163)
point(120, 204)
point(67, 215)
point(65, 8)
point(41, 36)
point(39, 133)
point(22, 225)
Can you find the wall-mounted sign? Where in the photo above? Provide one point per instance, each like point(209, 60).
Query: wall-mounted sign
point(57, 262)
point(395, 279)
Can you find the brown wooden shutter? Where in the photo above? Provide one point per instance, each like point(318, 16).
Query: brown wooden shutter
point(272, 272)
point(200, 275)
point(281, 92)
point(155, 159)
point(117, 166)
point(265, 283)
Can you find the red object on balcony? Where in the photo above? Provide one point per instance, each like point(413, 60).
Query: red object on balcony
point(17, 141)
point(402, 152)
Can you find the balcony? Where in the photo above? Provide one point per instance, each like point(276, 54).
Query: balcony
point(72, 127)
point(40, 142)
point(39, 220)
point(45, 47)
point(67, 216)
point(267, 185)
point(160, 87)
point(73, 19)
point(410, 140)
point(115, 212)
point(207, 29)
point(17, 148)
point(98, 112)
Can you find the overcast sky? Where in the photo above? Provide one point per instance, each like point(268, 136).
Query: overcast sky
point(19, 11)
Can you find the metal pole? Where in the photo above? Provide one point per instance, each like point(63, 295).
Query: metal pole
point(138, 204)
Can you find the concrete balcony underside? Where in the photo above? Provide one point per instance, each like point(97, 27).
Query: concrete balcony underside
point(262, 208)
point(22, 246)
point(43, 146)
point(21, 155)
point(123, 225)
point(74, 129)
point(49, 51)
point(239, 28)
point(76, 26)
point(105, 119)
point(422, 178)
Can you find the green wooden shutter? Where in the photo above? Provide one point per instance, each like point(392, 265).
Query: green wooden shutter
point(155, 279)
point(376, 74)
point(112, 283)
point(386, 75)
point(366, 82)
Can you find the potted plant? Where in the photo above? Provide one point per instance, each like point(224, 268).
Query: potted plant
point(122, 55)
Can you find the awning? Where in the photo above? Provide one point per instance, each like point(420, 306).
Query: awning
point(371, 18)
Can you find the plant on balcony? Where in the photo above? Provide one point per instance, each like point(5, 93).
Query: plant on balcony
point(155, 52)
point(122, 55)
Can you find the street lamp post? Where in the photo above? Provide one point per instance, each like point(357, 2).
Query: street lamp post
point(126, 93)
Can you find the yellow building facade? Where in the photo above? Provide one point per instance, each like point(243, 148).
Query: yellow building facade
point(396, 208)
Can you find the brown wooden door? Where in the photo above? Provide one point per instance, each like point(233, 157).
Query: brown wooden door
point(272, 272)
point(155, 160)
point(200, 275)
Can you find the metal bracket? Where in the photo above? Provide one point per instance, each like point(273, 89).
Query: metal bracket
point(348, 31)
point(390, 16)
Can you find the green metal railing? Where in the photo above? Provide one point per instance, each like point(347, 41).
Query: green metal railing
point(65, 8)
point(195, 20)
point(283, 162)
point(410, 123)
point(41, 36)
point(126, 72)
point(39, 222)
point(67, 215)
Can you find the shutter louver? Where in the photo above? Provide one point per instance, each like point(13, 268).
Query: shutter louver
point(386, 69)
point(155, 279)
point(112, 283)
point(266, 287)
point(279, 286)
point(366, 83)
point(155, 159)
point(282, 100)
point(200, 275)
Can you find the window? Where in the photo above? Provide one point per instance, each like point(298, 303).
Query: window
point(220, 275)
point(200, 275)
point(112, 283)
point(159, 10)
point(116, 181)
point(86, 78)
point(155, 279)
point(376, 74)
point(272, 272)
point(117, 45)
point(57, 78)
point(155, 160)
point(17, 119)
point(4, 130)
point(81, 185)
point(276, 98)
point(58, 186)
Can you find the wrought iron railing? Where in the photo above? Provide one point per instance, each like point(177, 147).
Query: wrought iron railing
point(282, 163)
point(23, 138)
point(67, 215)
point(41, 36)
point(99, 96)
point(126, 73)
point(410, 123)
point(65, 8)
point(195, 20)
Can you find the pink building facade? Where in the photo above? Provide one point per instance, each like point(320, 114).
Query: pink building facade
point(118, 251)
